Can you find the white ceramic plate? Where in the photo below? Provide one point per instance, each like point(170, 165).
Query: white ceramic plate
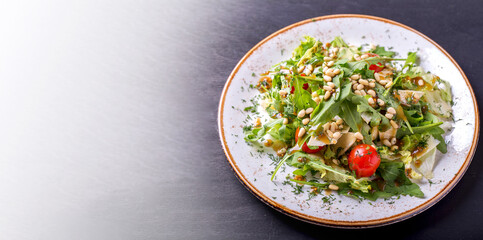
point(253, 168)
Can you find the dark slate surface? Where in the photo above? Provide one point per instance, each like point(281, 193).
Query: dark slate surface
point(204, 199)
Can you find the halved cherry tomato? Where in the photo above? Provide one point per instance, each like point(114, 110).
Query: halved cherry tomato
point(305, 147)
point(364, 160)
point(375, 67)
point(305, 86)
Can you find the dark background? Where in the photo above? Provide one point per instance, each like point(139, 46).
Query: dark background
point(214, 36)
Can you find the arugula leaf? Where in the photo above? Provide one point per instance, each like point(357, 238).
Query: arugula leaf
point(421, 129)
point(390, 170)
point(360, 184)
point(302, 98)
point(395, 183)
point(363, 106)
point(308, 54)
point(327, 110)
point(351, 116)
point(338, 42)
point(283, 160)
point(381, 51)
point(303, 47)
point(411, 60)
point(255, 134)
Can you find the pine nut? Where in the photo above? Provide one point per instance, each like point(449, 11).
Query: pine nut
point(355, 77)
point(333, 187)
point(327, 59)
point(358, 135)
point(325, 69)
point(305, 121)
point(386, 142)
point(330, 64)
point(354, 86)
point(336, 49)
point(372, 85)
point(301, 132)
point(330, 72)
point(388, 85)
point(327, 95)
point(336, 162)
point(360, 87)
point(421, 82)
point(317, 100)
point(363, 93)
point(333, 126)
point(394, 148)
point(363, 82)
point(327, 88)
point(330, 134)
point(281, 151)
point(370, 101)
point(380, 102)
point(377, 77)
point(315, 94)
point(301, 114)
point(374, 133)
point(282, 93)
point(383, 82)
point(371, 92)
point(388, 115)
point(394, 124)
point(327, 78)
point(364, 56)
point(310, 67)
point(357, 92)
point(309, 110)
point(337, 135)
point(285, 121)
point(331, 84)
point(337, 71)
point(339, 121)
point(391, 110)
point(326, 126)
point(393, 141)
point(301, 69)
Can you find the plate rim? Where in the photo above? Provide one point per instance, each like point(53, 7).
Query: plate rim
point(339, 223)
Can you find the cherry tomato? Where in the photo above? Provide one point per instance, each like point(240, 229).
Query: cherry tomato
point(376, 67)
point(364, 160)
point(305, 147)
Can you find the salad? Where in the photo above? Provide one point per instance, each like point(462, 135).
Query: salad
point(350, 119)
